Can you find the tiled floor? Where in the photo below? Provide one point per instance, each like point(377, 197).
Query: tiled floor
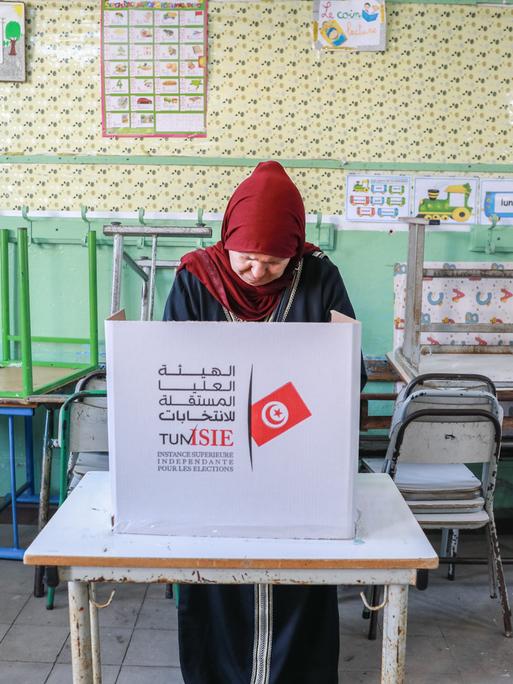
point(454, 632)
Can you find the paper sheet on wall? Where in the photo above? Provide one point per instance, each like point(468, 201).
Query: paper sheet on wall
point(446, 199)
point(349, 25)
point(154, 63)
point(377, 198)
point(496, 201)
point(12, 41)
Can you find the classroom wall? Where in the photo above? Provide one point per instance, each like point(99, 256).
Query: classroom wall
point(440, 95)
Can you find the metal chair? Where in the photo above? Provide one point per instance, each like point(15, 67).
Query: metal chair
point(82, 441)
point(435, 433)
point(87, 445)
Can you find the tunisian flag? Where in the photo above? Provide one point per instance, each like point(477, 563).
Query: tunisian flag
point(276, 413)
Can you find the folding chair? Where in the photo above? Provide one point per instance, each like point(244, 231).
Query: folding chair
point(435, 433)
point(87, 445)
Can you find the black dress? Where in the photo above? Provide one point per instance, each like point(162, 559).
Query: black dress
point(261, 634)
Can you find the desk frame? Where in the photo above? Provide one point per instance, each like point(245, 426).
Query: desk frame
point(388, 549)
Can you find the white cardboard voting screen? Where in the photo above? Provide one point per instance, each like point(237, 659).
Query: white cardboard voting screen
point(234, 429)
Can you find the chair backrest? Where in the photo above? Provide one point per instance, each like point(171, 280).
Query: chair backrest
point(445, 426)
point(455, 381)
point(88, 426)
point(93, 381)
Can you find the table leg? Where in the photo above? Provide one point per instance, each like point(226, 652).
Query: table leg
point(14, 496)
point(44, 496)
point(95, 635)
point(394, 635)
point(80, 632)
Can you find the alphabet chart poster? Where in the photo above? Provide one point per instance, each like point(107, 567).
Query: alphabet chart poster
point(349, 24)
point(154, 64)
point(377, 198)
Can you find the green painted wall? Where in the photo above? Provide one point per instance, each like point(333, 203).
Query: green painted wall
point(366, 259)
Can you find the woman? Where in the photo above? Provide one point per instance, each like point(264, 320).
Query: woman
point(261, 270)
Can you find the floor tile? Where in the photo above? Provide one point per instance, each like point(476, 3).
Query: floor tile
point(11, 603)
point(122, 611)
point(158, 614)
point(440, 678)
point(130, 674)
point(364, 677)
point(156, 591)
point(359, 654)
point(33, 643)
point(429, 655)
point(24, 673)
point(61, 674)
point(114, 643)
point(34, 612)
point(15, 575)
point(153, 647)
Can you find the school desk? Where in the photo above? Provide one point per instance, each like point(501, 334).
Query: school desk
point(388, 549)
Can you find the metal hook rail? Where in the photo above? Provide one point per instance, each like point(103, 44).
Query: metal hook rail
point(118, 232)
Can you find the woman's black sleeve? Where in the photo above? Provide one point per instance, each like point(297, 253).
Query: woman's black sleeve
point(338, 300)
point(180, 305)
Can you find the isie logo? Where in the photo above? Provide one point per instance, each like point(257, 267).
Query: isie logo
point(276, 413)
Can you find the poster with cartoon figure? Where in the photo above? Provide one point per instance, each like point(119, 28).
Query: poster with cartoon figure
point(349, 24)
point(496, 201)
point(12, 30)
point(377, 198)
point(154, 64)
point(448, 200)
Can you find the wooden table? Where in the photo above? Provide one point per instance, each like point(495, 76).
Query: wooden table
point(497, 367)
point(13, 407)
point(388, 549)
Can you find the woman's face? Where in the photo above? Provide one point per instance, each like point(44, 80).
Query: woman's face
point(257, 269)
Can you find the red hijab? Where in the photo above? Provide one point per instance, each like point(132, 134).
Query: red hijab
point(265, 215)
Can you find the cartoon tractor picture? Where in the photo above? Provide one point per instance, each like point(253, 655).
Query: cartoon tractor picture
point(455, 206)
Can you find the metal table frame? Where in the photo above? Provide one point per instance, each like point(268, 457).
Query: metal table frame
point(388, 550)
point(412, 349)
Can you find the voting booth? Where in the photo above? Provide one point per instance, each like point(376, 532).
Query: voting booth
point(234, 429)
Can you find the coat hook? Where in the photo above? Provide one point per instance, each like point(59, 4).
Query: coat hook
point(140, 213)
point(85, 219)
point(200, 223)
point(25, 217)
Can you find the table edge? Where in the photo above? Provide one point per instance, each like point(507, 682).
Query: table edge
point(429, 563)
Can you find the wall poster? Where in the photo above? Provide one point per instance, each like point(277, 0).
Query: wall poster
point(448, 200)
point(349, 24)
point(154, 68)
point(12, 31)
point(496, 200)
point(377, 198)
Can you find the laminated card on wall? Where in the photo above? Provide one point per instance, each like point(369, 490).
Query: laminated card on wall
point(154, 64)
point(234, 429)
point(349, 25)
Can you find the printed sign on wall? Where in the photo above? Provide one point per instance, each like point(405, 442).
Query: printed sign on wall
point(496, 201)
point(12, 30)
point(448, 200)
point(377, 198)
point(154, 60)
point(349, 24)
